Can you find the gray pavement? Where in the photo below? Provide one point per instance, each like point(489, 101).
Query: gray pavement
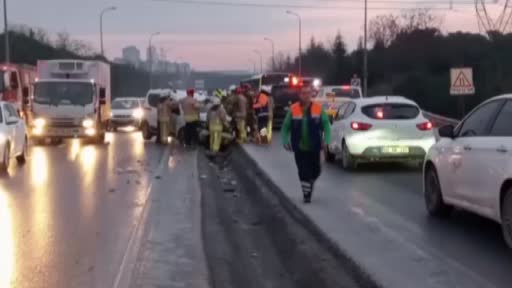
point(376, 216)
point(171, 252)
point(68, 214)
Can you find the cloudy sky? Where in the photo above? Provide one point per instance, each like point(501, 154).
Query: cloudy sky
point(218, 37)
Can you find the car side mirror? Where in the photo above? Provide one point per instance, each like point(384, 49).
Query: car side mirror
point(447, 131)
point(103, 96)
point(25, 95)
point(11, 120)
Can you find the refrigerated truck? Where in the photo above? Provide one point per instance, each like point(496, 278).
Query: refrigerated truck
point(71, 100)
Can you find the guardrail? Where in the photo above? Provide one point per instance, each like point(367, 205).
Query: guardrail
point(438, 120)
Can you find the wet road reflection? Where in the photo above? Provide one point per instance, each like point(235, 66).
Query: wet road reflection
point(66, 215)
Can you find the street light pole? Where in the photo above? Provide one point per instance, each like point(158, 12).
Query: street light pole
point(261, 60)
point(300, 39)
point(253, 65)
point(150, 59)
point(273, 53)
point(111, 8)
point(365, 52)
point(6, 35)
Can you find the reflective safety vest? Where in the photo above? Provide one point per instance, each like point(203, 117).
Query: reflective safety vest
point(261, 105)
point(314, 120)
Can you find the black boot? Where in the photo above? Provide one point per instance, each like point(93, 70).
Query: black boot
point(306, 191)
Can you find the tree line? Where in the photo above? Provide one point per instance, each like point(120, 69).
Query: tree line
point(409, 55)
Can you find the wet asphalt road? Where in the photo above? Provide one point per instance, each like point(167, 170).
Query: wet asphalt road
point(382, 207)
point(66, 216)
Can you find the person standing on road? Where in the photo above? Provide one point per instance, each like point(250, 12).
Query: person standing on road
point(260, 107)
point(305, 131)
point(241, 115)
point(164, 111)
point(191, 107)
point(216, 121)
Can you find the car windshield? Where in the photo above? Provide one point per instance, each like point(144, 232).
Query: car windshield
point(124, 104)
point(388, 111)
point(64, 93)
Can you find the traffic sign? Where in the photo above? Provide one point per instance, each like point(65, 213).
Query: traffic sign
point(461, 80)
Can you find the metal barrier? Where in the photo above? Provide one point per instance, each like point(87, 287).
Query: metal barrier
point(438, 120)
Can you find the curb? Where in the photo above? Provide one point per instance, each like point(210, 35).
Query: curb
point(359, 274)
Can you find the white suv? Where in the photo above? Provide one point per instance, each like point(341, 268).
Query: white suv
point(471, 166)
point(150, 122)
point(384, 128)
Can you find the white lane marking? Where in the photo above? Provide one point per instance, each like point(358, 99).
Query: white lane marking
point(125, 270)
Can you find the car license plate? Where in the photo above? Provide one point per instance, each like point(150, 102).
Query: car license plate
point(65, 132)
point(395, 150)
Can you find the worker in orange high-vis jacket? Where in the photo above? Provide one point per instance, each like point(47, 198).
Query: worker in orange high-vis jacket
point(261, 109)
point(305, 131)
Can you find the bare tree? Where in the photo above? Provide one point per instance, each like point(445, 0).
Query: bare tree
point(63, 41)
point(384, 28)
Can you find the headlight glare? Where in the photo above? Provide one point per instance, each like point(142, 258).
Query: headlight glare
point(138, 113)
point(39, 122)
point(88, 123)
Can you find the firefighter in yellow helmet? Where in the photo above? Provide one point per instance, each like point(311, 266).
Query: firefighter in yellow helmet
point(217, 119)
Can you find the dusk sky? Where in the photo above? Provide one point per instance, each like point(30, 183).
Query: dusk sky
point(216, 37)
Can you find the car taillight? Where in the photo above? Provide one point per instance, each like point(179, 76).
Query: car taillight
point(360, 126)
point(425, 126)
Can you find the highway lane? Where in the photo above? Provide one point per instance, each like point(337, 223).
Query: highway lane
point(66, 216)
point(377, 214)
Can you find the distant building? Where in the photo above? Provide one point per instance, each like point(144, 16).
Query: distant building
point(131, 55)
point(119, 61)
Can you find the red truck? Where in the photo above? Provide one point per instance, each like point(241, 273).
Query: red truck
point(16, 86)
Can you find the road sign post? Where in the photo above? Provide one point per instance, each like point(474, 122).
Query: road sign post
point(461, 84)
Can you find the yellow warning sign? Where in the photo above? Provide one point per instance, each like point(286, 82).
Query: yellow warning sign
point(461, 80)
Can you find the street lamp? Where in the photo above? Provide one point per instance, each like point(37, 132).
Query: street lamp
point(111, 8)
point(273, 53)
point(253, 65)
point(300, 39)
point(365, 52)
point(150, 59)
point(6, 33)
point(261, 59)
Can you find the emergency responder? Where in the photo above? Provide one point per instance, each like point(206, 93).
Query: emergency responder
point(260, 107)
point(216, 121)
point(305, 131)
point(250, 121)
point(191, 108)
point(240, 115)
point(164, 111)
point(270, 126)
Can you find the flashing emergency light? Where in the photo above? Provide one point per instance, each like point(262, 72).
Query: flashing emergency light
point(317, 82)
point(346, 87)
point(295, 81)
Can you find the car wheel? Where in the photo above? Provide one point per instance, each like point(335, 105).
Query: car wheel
point(22, 158)
point(4, 165)
point(434, 196)
point(506, 217)
point(146, 134)
point(329, 157)
point(347, 161)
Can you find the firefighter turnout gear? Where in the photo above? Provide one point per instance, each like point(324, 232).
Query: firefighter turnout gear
point(261, 109)
point(164, 111)
point(240, 117)
point(306, 129)
point(216, 121)
point(191, 108)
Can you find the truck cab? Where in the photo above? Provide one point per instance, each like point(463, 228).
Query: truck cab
point(71, 100)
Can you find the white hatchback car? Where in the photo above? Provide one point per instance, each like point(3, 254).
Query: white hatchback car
point(383, 128)
point(125, 112)
point(13, 136)
point(471, 166)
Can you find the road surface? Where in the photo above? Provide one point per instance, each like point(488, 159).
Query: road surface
point(376, 215)
point(66, 216)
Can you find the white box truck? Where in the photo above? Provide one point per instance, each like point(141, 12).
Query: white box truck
point(71, 99)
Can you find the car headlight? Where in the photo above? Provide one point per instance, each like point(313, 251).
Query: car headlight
point(88, 123)
point(138, 113)
point(40, 122)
